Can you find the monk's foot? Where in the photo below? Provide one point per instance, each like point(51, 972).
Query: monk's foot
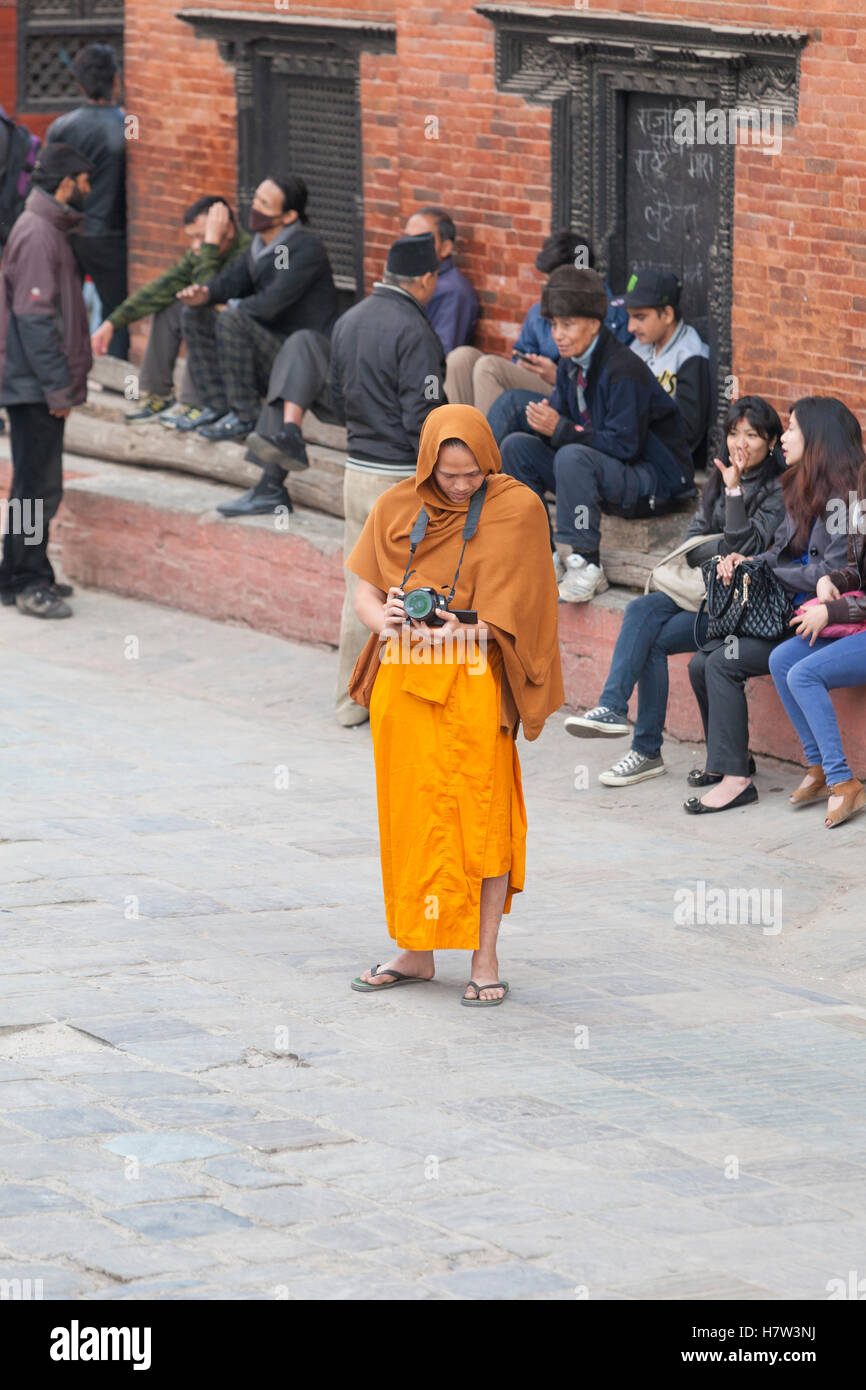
point(418, 963)
point(485, 971)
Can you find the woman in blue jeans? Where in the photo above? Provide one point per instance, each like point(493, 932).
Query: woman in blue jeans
point(742, 499)
point(807, 667)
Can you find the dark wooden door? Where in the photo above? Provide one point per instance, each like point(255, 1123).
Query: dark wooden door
point(671, 203)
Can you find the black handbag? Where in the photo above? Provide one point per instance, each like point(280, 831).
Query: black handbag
point(754, 604)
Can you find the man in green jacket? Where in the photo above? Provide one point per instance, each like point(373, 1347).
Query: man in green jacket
point(215, 240)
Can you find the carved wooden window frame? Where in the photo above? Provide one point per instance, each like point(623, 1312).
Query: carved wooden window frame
point(576, 63)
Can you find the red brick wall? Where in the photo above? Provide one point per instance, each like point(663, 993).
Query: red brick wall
point(800, 236)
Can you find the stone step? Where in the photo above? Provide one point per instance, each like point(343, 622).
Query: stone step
point(97, 429)
point(155, 535)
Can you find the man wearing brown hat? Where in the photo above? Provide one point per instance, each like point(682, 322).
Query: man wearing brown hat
point(608, 439)
point(387, 374)
point(44, 361)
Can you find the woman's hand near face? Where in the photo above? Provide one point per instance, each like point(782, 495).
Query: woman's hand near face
point(810, 622)
point(826, 589)
point(727, 565)
point(733, 472)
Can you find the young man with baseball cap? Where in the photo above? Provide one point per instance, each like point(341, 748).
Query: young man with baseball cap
point(675, 353)
point(44, 361)
point(608, 439)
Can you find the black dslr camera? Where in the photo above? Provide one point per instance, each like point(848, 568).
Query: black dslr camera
point(421, 604)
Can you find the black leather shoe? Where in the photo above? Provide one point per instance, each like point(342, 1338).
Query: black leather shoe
point(285, 449)
point(695, 807)
point(266, 496)
point(41, 601)
point(697, 778)
point(230, 427)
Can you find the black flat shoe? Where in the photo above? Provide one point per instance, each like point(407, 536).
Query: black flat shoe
point(265, 497)
point(697, 778)
point(696, 807)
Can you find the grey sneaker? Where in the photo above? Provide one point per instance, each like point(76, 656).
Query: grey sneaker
point(600, 722)
point(558, 567)
point(634, 767)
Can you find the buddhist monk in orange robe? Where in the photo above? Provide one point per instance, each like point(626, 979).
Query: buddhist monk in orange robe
point(446, 701)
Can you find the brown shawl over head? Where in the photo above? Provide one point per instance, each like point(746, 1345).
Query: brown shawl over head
point(507, 574)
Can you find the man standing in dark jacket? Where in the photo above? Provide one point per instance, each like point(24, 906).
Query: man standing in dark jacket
point(284, 282)
point(610, 438)
point(387, 374)
point(44, 361)
point(98, 130)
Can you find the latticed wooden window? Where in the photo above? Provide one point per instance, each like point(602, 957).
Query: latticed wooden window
point(50, 33)
point(300, 112)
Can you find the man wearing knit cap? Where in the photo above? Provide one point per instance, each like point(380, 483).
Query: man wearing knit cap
point(608, 439)
point(387, 374)
point(44, 361)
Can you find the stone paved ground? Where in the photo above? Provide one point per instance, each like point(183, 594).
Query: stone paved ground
point(194, 1104)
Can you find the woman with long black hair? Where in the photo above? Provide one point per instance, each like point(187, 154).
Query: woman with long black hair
point(742, 500)
point(823, 448)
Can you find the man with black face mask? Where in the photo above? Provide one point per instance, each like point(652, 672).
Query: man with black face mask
point(44, 361)
point(283, 283)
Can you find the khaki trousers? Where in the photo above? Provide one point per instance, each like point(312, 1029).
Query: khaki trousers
point(479, 379)
point(360, 491)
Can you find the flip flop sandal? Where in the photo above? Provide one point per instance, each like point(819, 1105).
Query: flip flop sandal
point(478, 1002)
point(363, 987)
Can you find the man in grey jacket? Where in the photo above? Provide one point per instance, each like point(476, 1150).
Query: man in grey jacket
point(44, 361)
point(387, 374)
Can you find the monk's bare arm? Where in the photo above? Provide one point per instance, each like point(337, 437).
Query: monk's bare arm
point(378, 611)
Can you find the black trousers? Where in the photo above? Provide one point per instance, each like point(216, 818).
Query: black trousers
point(103, 258)
point(718, 673)
point(301, 375)
point(36, 437)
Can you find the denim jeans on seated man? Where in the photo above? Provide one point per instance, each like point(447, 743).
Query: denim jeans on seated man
point(581, 478)
point(654, 627)
point(507, 415)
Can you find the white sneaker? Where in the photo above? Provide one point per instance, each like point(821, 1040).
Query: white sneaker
point(582, 580)
point(558, 566)
point(634, 767)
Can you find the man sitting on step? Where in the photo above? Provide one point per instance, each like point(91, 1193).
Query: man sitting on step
point(675, 353)
point(609, 438)
point(214, 241)
point(282, 284)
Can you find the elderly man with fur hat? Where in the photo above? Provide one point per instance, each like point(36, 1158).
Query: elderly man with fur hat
point(609, 438)
point(387, 374)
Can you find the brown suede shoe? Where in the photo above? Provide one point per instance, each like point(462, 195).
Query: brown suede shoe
point(854, 794)
point(817, 791)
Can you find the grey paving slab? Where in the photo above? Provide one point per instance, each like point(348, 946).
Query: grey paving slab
point(232, 1122)
point(168, 1147)
point(177, 1220)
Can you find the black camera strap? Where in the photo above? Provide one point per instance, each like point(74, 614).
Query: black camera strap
point(419, 531)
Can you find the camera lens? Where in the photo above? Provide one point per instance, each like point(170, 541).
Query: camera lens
point(418, 604)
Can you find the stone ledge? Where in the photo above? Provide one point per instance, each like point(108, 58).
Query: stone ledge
point(154, 535)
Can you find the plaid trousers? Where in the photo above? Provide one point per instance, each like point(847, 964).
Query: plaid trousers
point(230, 359)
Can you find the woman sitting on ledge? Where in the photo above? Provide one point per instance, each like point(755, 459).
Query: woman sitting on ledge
point(807, 667)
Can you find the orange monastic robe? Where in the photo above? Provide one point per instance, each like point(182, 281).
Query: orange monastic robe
point(450, 797)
